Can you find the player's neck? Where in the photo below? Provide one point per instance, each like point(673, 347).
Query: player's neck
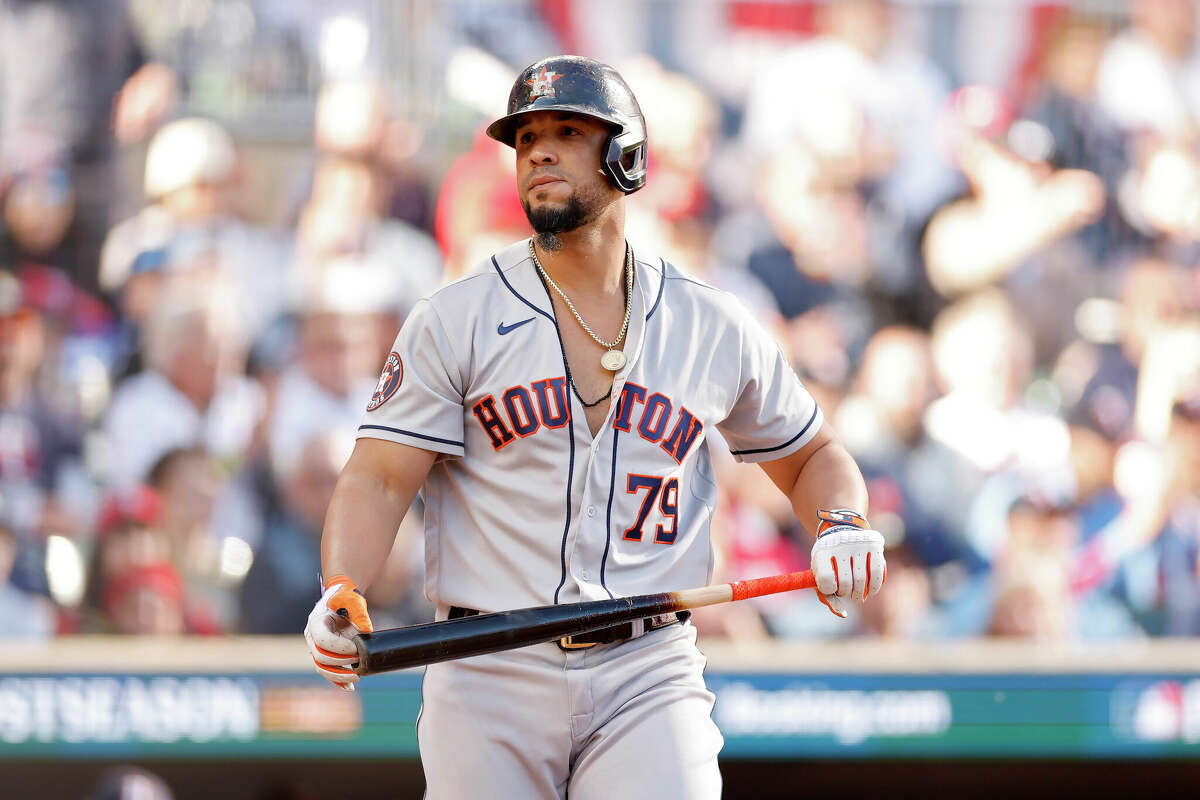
point(589, 259)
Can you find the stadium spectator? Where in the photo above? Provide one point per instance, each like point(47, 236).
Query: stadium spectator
point(681, 129)
point(193, 390)
point(468, 230)
point(861, 103)
point(1034, 560)
point(1064, 100)
point(188, 483)
point(44, 487)
point(918, 486)
point(1081, 134)
point(71, 76)
point(1030, 604)
point(128, 534)
point(818, 252)
point(1160, 195)
point(288, 559)
point(329, 380)
point(353, 122)
point(38, 215)
point(524, 32)
point(1042, 555)
point(146, 600)
point(1181, 536)
point(905, 610)
point(861, 98)
point(1136, 549)
point(814, 266)
point(1149, 76)
point(344, 244)
point(286, 568)
point(213, 522)
point(1099, 424)
point(983, 358)
point(134, 583)
point(1153, 296)
point(1017, 227)
point(23, 615)
point(190, 224)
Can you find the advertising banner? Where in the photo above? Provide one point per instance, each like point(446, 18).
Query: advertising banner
point(767, 716)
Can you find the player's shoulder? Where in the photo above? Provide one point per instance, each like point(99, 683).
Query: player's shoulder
point(673, 285)
point(482, 279)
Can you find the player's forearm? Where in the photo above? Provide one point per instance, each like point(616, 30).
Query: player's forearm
point(360, 526)
point(370, 501)
point(829, 479)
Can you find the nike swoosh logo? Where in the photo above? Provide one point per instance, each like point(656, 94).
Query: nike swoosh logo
point(503, 329)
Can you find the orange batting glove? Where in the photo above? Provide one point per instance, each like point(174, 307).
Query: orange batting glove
point(338, 617)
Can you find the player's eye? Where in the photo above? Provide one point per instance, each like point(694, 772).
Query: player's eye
point(525, 138)
point(569, 131)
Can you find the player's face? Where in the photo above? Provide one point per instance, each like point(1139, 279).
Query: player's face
point(559, 177)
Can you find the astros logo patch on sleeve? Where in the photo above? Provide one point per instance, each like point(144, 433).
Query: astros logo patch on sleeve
point(389, 381)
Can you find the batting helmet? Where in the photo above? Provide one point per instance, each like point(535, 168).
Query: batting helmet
point(582, 86)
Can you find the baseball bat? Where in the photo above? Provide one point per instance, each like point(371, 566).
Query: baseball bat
point(417, 645)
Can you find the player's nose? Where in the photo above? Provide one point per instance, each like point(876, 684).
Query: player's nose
point(541, 154)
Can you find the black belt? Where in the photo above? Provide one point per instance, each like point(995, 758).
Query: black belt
point(614, 633)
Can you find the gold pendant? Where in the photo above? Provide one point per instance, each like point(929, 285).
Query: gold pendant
point(613, 360)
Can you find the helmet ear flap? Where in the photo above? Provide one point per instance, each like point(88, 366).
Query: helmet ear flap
point(625, 161)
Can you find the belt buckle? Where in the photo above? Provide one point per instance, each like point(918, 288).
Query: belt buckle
point(569, 643)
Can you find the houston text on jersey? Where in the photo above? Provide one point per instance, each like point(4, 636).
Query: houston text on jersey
point(522, 412)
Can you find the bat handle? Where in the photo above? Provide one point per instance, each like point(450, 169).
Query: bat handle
point(757, 587)
point(360, 645)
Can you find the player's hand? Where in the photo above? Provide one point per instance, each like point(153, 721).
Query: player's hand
point(847, 559)
point(339, 615)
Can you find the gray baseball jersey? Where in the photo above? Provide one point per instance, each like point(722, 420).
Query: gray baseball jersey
point(524, 506)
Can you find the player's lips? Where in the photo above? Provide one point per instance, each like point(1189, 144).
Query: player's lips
point(542, 180)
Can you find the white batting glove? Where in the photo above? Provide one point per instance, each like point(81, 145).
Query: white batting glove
point(330, 635)
point(847, 559)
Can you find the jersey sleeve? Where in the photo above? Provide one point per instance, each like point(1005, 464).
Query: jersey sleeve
point(773, 415)
point(419, 398)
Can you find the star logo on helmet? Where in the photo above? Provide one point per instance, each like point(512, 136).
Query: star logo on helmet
point(542, 84)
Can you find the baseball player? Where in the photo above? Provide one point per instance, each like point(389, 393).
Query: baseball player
point(553, 407)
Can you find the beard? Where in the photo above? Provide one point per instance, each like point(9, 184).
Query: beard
point(547, 221)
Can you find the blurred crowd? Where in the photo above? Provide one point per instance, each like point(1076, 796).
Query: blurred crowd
point(975, 229)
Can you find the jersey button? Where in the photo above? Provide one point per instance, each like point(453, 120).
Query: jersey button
point(587, 576)
point(591, 511)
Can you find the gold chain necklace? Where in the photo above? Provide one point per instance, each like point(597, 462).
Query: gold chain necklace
point(613, 359)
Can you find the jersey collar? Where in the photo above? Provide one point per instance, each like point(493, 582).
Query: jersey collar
point(517, 271)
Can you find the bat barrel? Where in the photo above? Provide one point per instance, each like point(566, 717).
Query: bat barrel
point(416, 645)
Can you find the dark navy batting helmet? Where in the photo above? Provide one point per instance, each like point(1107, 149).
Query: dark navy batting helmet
point(582, 86)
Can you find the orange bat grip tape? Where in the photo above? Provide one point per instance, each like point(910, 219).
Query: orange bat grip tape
point(757, 587)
